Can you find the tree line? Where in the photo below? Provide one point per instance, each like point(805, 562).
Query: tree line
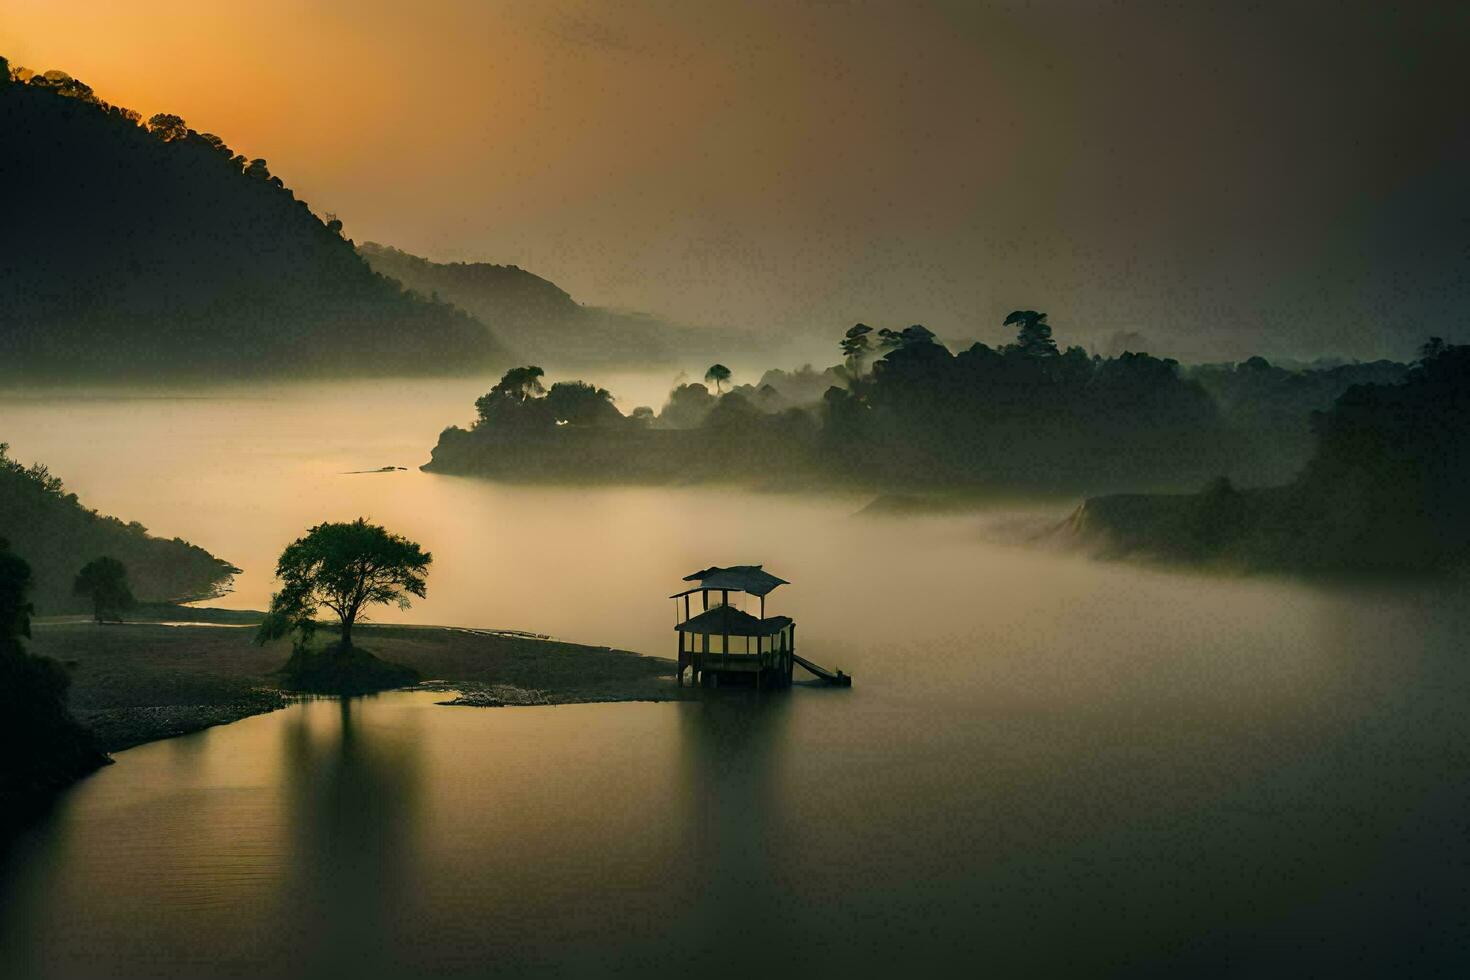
point(902, 410)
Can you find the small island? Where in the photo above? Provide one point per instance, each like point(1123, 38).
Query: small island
point(903, 415)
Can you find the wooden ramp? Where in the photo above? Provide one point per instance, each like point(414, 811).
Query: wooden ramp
point(831, 677)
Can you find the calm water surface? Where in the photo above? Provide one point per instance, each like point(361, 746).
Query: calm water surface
point(1046, 765)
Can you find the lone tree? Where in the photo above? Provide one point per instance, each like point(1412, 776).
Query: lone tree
point(1033, 333)
point(105, 581)
point(717, 373)
point(345, 567)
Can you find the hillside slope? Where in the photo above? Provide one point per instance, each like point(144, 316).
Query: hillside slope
point(154, 251)
point(1387, 491)
point(56, 535)
point(542, 322)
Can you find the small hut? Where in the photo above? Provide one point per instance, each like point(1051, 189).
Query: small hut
point(720, 640)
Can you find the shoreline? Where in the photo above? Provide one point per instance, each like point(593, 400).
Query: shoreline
point(140, 682)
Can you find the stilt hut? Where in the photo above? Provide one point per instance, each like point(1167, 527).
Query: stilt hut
point(718, 640)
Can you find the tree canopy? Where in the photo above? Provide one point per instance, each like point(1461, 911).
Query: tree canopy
point(579, 403)
point(856, 345)
point(1033, 333)
point(718, 374)
point(345, 567)
point(104, 582)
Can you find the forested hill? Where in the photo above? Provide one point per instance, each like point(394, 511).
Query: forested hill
point(57, 535)
point(1387, 490)
point(150, 250)
point(543, 323)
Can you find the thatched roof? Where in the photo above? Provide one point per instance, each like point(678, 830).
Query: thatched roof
point(732, 621)
point(734, 578)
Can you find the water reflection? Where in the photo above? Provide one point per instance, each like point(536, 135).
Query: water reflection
point(733, 747)
point(352, 798)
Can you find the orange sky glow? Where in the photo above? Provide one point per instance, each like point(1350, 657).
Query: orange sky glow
point(798, 166)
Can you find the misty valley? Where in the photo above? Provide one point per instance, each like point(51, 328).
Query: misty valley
point(370, 613)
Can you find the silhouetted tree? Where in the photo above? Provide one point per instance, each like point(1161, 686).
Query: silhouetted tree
point(15, 605)
point(104, 582)
point(856, 346)
point(717, 373)
point(216, 144)
point(732, 411)
point(517, 388)
point(579, 403)
point(345, 567)
point(1432, 348)
point(913, 336)
point(1033, 333)
point(521, 383)
point(167, 127)
point(40, 745)
point(687, 407)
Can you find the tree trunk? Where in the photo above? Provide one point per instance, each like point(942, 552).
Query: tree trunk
point(347, 632)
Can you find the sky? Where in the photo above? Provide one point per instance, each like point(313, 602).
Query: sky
point(1219, 178)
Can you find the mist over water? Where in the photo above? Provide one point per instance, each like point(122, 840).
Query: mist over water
point(1045, 762)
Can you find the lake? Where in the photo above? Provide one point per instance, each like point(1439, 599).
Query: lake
point(1045, 765)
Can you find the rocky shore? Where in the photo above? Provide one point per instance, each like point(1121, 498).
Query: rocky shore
point(122, 728)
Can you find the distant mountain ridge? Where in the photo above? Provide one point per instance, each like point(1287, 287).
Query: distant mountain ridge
point(543, 322)
point(150, 251)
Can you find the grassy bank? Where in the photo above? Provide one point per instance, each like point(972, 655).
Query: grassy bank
point(136, 682)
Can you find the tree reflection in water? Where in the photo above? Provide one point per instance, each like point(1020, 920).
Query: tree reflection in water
point(354, 797)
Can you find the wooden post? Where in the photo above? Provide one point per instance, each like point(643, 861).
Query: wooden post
point(686, 607)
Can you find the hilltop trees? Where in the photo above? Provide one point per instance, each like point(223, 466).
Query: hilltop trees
point(1021, 414)
point(104, 582)
point(579, 403)
point(1033, 333)
point(688, 406)
point(856, 345)
point(152, 250)
point(168, 127)
point(718, 374)
point(1387, 490)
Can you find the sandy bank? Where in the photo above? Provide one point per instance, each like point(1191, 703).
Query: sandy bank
point(137, 682)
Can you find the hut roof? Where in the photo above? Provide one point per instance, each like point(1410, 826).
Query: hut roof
point(735, 578)
point(735, 622)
